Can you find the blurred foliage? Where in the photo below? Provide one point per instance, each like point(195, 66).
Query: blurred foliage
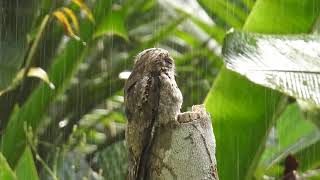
point(5, 170)
point(86, 49)
point(26, 168)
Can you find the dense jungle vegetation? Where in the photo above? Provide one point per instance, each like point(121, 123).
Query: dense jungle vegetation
point(63, 65)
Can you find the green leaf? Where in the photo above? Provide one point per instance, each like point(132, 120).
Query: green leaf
point(234, 9)
point(302, 135)
point(159, 36)
point(5, 171)
point(64, 66)
point(16, 20)
point(309, 157)
point(213, 30)
point(200, 19)
point(289, 64)
point(26, 169)
point(292, 119)
point(188, 38)
point(226, 10)
point(296, 16)
point(243, 112)
point(13, 139)
point(310, 112)
point(113, 24)
point(248, 3)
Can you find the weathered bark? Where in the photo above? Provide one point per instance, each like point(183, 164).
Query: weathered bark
point(185, 149)
point(164, 143)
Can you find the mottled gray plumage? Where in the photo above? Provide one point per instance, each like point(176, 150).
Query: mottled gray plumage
point(152, 99)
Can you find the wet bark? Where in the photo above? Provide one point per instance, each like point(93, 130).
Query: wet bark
point(185, 149)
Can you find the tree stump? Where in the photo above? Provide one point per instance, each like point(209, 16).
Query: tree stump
point(185, 149)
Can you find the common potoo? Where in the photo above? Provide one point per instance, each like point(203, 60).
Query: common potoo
point(152, 99)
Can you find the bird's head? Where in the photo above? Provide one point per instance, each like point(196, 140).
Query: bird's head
point(155, 60)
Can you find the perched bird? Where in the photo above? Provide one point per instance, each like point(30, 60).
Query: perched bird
point(152, 99)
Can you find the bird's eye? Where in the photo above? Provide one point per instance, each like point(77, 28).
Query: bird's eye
point(168, 60)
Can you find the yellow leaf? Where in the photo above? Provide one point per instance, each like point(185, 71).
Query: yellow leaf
point(33, 72)
point(73, 18)
point(41, 74)
point(85, 9)
point(64, 20)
